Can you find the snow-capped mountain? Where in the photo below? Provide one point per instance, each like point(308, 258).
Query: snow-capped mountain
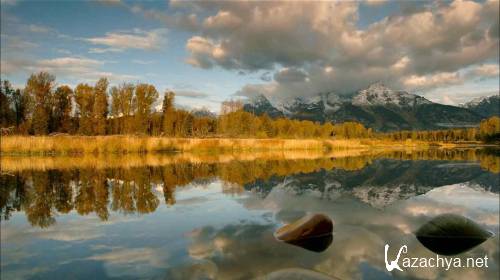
point(377, 106)
point(485, 106)
point(379, 94)
point(260, 105)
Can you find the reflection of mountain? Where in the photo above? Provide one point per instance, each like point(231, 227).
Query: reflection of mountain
point(43, 193)
point(383, 181)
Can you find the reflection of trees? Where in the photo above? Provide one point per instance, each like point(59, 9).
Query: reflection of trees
point(41, 200)
point(12, 193)
point(42, 194)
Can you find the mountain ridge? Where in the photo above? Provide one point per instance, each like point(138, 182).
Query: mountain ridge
point(377, 106)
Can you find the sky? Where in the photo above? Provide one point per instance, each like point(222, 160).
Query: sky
point(211, 51)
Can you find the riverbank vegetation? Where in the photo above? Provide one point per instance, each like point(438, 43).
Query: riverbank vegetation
point(122, 119)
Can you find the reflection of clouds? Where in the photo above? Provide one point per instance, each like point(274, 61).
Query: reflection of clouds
point(79, 233)
point(361, 231)
point(132, 262)
point(241, 251)
point(466, 196)
point(79, 229)
point(130, 256)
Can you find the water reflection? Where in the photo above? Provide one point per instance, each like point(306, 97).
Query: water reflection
point(317, 244)
point(451, 234)
point(42, 194)
point(201, 218)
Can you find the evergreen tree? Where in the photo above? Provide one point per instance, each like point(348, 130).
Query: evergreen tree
point(7, 114)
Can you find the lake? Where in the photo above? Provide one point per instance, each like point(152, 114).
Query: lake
point(213, 216)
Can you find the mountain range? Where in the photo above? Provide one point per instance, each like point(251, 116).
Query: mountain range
point(378, 107)
point(485, 106)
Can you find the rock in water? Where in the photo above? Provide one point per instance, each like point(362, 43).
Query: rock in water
point(297, 274)
point(315, 244)
point(309, 226)
point(451, 234)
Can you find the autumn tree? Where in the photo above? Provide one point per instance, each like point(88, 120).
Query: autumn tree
point(39, 88)
point(100, 106)
point(61, 119)
point(489, 129)
point(168, 114)
point(145, 96)
point(84, 99)
point(122, 107)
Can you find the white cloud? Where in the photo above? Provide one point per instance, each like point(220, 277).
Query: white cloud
point(423, 48)
point(152, 40)
point(486, 71)
point(76, 68)
point(432, 81)
point(190, 94)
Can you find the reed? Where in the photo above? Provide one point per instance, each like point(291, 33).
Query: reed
point(77, 145)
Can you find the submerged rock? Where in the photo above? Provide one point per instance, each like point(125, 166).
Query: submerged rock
point(309, 226)
point(297, 274)
point(451, 234)
point(315, 244)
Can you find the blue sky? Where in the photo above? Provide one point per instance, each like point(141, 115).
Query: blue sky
point(208, 52)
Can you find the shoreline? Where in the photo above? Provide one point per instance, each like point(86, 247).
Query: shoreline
point(129, 144)
point(345, 159)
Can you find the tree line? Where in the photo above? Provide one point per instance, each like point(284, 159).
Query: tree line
point(488, 131)
point(41, 108)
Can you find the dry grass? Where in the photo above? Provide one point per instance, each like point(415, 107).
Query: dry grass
point(70, 145)
point(78, 145)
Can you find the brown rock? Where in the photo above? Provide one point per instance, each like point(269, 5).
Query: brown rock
point(309, 226)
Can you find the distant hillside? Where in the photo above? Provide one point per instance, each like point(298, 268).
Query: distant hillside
point(378, 107)
point(484, 106)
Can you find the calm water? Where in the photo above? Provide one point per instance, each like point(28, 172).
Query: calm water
point(214, 217)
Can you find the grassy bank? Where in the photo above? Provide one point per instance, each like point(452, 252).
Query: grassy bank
point(77, 145)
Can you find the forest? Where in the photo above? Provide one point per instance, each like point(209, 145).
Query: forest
point(42, 108)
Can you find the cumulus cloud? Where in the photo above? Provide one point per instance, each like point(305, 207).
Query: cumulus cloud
point(432, 81)
point(485, 71)
point(136, 39)
point(424, 47)
point(77, 68)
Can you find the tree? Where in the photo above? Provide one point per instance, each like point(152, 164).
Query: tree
point(100, 108)
point(145, 96)
point(122, 106)
point(21, 102)
point(7, 114)
point(84, 98)
point(39, 88)
point(62, 109)
point(489, 129)
point(168, 116)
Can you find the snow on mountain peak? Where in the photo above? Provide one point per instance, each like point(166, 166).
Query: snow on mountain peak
point(379, 94)
point(478, 100)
